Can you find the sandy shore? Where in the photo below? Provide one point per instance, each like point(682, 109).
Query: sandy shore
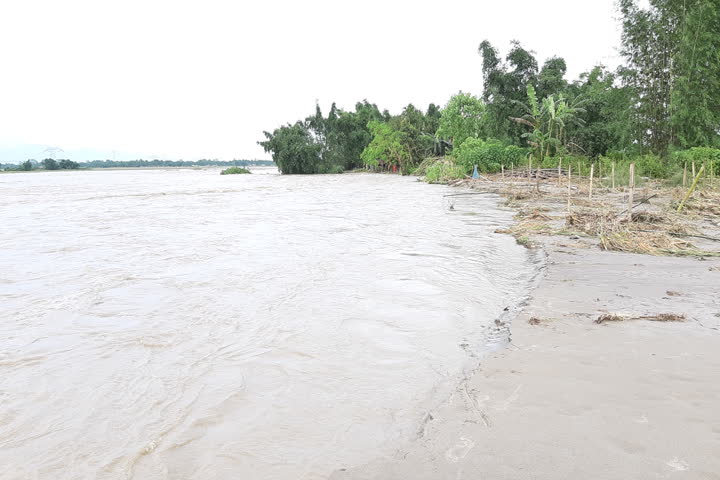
point(573, 399)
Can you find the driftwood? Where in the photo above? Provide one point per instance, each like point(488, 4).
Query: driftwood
point(467, 193)
point(644, 200)
point(541, 173)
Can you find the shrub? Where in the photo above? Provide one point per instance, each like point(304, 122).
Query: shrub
point(699, 155)
point(443, 171)
point(651, 166)
point(487, 155)
point(234, 171)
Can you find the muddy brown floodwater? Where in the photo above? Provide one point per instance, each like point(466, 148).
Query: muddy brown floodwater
point(180, 324)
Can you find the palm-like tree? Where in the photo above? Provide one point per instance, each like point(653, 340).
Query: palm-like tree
point(548, 119)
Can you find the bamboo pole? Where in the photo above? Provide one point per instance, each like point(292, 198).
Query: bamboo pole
point(693, 169)
point(559, 170)
point(712, 170)
point(592, 171)
point(613, 175)
point(691, 190)
point(529, 168)
point(632, 191)
point(579, 172)
point(569, 189)
point(685, 175)
point(502, 172)
point(512, 168)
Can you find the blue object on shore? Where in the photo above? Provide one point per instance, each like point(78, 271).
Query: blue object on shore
point(475, 173)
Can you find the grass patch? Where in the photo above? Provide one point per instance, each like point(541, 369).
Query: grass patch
point(524, 241)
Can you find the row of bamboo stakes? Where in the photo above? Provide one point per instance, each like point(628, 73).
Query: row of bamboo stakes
point(631, 181)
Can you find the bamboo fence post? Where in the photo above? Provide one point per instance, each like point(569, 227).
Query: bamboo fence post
point(600, 177)
point(685, 175)
point(559, 170)
point(712, 170)
point(512, 169)
point(529, 168)
point(579, 172)
point(502, 172)
point(613, 175)
point(592, 171)
point(692, 189)
point(569, 189)
point(632, 191)
point(693, 169)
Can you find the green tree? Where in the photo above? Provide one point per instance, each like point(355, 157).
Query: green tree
point(432, 119)
point(419, 143)
point(293, 149)
point(695, 98)
point(50, 164)
point(463, 117)
point(347, 134)
point(551, 79)
point(548, 119)
point(605, 117)
point(26, 166)
point(68, 165)
point(672, 53)
point(387, 147)
point(505, 84)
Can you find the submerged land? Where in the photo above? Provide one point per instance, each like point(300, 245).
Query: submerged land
point(611, 368)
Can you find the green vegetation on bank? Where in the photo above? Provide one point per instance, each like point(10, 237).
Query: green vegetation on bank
point(659, 110)
point(234, 171)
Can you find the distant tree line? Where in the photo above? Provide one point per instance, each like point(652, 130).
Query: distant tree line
point(47, 164)
point(52, 164)
point(174, 163)
point(664, 100)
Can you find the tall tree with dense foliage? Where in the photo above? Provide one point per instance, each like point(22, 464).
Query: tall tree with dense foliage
point(50, 164)
point(293, 149)
point(387, 147)
point(672, 50)
point(695, 99)
point(322, 144)
point(551, 79)
point(346, 134)
point(463, 117)
point(411, 123)
point(605, 117)
point(505, 84)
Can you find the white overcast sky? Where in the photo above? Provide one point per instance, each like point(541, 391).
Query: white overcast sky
point(203, 79)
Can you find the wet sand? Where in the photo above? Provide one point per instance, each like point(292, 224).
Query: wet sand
point(569, 398)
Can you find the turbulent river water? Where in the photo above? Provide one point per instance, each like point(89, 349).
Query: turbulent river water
point(180, 324)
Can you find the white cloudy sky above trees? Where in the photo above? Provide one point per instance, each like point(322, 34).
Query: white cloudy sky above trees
point(203, 79)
